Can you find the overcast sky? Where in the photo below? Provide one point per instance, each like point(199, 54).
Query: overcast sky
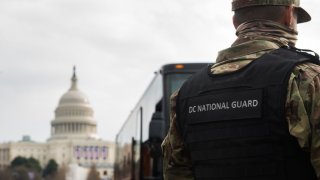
point(116, 46)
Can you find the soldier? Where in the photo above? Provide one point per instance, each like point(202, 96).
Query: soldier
point(255, 114)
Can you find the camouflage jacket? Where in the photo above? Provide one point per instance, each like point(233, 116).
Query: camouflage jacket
point(302, 108)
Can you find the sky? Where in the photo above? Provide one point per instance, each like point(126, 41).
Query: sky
point(116, 46)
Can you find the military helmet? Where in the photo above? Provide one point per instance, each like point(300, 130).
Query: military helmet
point(303, 16)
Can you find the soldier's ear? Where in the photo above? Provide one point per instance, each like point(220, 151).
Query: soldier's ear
point(289, 18)
point(235, 22)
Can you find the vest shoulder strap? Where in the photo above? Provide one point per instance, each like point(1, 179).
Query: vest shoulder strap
point(271, 68)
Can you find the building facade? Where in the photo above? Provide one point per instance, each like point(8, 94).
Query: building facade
point(73, 142)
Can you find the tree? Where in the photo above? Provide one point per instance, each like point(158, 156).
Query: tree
point(93, 174)
point(33, 164)
point(23, 168)
point(51, 169)
point(30, 163)
point(18, 161)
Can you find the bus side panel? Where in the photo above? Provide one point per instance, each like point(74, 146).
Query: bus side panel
point(128, 162)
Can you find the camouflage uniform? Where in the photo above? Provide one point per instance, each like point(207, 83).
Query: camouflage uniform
point(302, 108)
point(302, 105)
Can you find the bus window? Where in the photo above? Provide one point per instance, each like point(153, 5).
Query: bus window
point(172, 83)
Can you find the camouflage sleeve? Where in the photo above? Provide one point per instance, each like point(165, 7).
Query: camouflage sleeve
point(176, 162)
point(303, 110)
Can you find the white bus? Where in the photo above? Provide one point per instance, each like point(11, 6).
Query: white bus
point(138, 152)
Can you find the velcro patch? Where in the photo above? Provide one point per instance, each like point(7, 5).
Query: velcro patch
point(239, 104)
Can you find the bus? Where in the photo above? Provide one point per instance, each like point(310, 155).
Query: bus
point(138, 143)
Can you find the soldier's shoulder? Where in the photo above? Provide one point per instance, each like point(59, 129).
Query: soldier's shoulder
point(310, 69)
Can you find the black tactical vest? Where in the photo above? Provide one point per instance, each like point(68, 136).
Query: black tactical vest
point(234, 124)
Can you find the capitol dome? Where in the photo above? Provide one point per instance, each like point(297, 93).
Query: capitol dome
point(74, 115)
point(74, 96)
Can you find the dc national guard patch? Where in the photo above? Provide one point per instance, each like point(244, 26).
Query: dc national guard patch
point(242, 104)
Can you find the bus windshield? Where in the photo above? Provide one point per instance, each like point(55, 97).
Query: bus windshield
point(173, 83)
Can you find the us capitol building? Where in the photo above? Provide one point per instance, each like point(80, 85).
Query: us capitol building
point(74, 141)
